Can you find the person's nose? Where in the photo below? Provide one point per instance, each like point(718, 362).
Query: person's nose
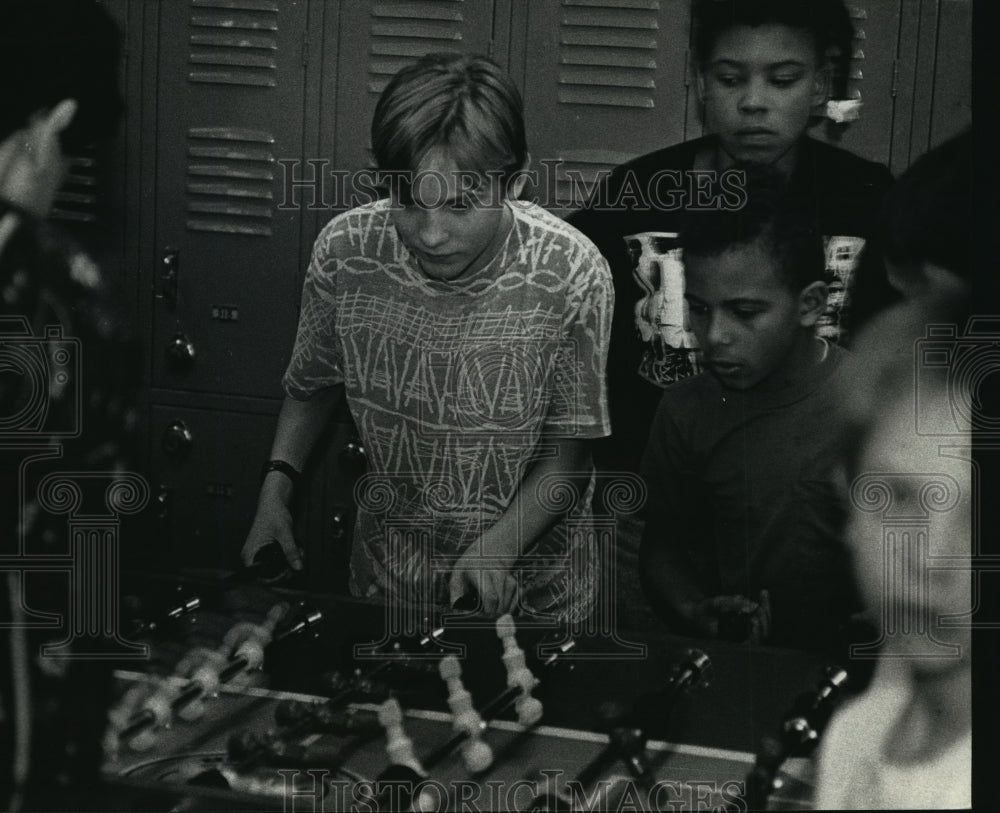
point(718, 333)
point(755, 96)
point(433, 229)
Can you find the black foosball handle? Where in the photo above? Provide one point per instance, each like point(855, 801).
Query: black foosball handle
point(799, 734)
point(626, 737)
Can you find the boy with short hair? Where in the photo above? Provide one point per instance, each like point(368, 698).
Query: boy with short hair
point(468, 332)
point(906, 742)
point(728, 445)
point(763, 70)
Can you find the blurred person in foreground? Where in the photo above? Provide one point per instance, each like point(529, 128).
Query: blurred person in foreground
point(59, 63)
point(906, 742)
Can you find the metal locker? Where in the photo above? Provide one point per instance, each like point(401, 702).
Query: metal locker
point(872, 79)
point(91, 205)
point(603, 83)
point(229, 108)
point(376, 40)
point(206, 467)
point(952, 102)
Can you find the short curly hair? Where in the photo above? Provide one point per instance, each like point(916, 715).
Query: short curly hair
point(770, 216)
point(827, 23)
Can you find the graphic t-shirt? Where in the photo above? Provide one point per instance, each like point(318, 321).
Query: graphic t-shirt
point(634, 218)
point(454, 387)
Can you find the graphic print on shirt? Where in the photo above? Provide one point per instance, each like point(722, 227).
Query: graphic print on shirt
point(454, 386)
point(661, 315)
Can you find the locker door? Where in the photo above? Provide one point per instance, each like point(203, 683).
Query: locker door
point(229, 108)
point(91, 203)
point(871, 78)
point(206, 466)
point(377, 39)
point(603, 82)
point(952, 103)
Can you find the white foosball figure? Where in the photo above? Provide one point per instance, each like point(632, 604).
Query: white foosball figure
point(476, 754)
point(160, 705)
point(200, 666)
point(120, 714)
point(248, 640)
point(399, 747)
point(528, 708)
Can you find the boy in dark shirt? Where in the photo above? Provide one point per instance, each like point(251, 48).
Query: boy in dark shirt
point(729, 445)
point(763, 71)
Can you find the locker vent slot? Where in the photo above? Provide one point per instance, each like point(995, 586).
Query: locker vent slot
point(404, 31)
point(77, 200)
point(579, 171)
point(234, 42)
point(607, 52)
point(230, 179)
point(855, 72)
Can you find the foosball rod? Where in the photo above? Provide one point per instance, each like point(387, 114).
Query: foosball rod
point(147, 718)
point(407, 768)
point(629, 744)
point(498, 705)
point(312, 721)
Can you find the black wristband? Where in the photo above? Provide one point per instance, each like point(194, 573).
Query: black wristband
point(287, 469)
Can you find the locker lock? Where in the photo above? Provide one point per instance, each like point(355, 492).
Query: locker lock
point(177, 440)
point(339, 523)
point(169, 273)
point(180, 354)
point(164, 502)
point(353, 458)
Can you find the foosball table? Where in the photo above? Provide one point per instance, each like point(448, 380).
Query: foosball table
point(265, 698)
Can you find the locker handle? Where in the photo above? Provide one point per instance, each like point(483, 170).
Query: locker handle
point(169, 273)
point(339, 523)
point(353, 458)
point(164, 503)
point(180, 353)
point(177, 440)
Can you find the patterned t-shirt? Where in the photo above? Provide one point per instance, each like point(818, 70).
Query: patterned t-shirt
point(455, 387)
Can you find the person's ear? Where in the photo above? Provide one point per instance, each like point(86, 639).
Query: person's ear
point(518, 180)
point(812, 303)
point(822, 84)
point(45, 129)
point(699, 83)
